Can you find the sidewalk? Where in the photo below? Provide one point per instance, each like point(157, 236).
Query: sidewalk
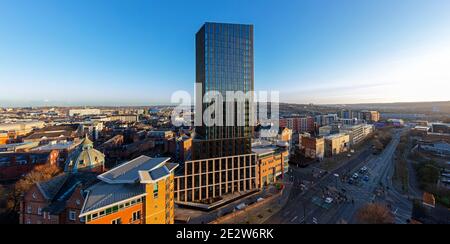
point(259, 212)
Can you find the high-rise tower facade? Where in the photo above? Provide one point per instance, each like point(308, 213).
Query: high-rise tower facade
point(223, 166)
point(224, 63)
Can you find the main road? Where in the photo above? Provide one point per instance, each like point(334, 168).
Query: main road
point(309, 207)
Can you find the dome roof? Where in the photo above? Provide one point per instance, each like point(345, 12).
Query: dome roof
point(85, 157)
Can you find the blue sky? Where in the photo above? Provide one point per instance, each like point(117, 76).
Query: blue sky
point(115, 52)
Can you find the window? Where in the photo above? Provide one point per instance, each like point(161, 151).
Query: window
point(136, 216)
point(117, 221)
point(34, 195)
point(28, 221)
point(39, 212)
point(78, 202)
point(29, 209)
point(72, 215)
point(155, 190)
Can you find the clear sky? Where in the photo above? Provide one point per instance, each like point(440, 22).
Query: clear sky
point(116, 52)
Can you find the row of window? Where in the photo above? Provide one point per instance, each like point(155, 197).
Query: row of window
point(212, 191)
point(135, 217)
point(218, 165)
point(113, 209)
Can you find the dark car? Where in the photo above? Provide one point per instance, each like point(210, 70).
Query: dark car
point(350, 181)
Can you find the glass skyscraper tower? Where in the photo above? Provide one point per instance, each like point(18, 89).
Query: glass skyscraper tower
point(224, 62)
point(222, 159)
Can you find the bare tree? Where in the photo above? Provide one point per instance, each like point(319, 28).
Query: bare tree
point(374, 213)
point(40, 173)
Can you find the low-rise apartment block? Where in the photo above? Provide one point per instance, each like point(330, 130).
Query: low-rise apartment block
point(273, 162)
point(336, 144)
point(137, 192)
point(312, 147)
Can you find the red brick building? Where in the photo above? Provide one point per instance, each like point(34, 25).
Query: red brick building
point(15, 165)
point(298, 124)
point(57, 201)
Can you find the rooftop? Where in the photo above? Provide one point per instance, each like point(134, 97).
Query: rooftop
point(56, 146)
point(103, 194)
point(263, 147)
point(60, 188)
point(126, 182)
point(129, 172)
point(334, 136)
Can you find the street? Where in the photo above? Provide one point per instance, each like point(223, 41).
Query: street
point(374, 185)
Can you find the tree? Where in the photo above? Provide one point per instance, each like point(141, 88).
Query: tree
point(428, 174)
point(40, 173)
point(374, 213)
point(378, 145)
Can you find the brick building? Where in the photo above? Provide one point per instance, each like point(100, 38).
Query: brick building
point(273, 162)
point(57, 201)
point(15, 165)
point(312, 147)
point(298, 124)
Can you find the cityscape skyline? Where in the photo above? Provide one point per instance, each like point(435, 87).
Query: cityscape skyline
point(120, 58)
point(229, 152)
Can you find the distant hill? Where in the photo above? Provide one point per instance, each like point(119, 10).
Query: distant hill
point(412, 107)
point(436, 109)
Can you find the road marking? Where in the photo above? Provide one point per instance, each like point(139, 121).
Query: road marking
point(292, 220)
point(395, 212)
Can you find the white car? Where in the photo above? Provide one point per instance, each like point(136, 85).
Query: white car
point(328, 200)
point(241, 206)
point(355, 175)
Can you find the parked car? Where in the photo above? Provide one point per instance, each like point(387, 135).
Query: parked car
point(350, 181)
point(241, 206)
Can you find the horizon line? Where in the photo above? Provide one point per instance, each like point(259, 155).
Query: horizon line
point(171, 104)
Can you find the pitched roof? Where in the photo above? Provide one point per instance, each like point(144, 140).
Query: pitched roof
point(50, 188)
point(129, 172)
point(104, 194)
point(60, 188)
point(126, 181)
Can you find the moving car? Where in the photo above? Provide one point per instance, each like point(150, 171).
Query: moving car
point(363, 170)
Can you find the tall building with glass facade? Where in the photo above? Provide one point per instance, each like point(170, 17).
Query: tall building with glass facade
point(223, 166)
point(224, 62)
